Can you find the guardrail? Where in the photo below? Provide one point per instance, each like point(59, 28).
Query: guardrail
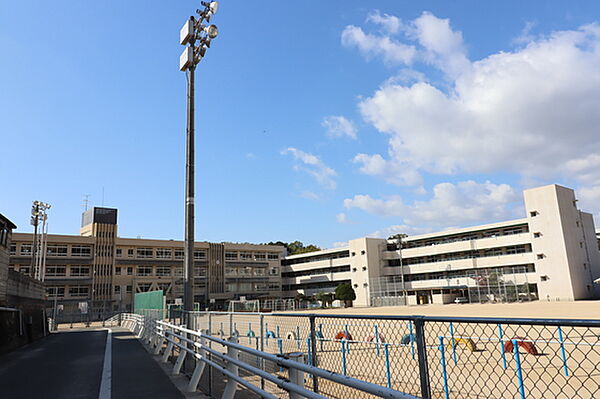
point(430, 357)
point(181, 342)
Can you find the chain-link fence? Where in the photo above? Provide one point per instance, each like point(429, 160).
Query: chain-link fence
point(429, 357)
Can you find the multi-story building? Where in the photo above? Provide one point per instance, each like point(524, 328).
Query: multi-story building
point(105, 270)
point(551, 254)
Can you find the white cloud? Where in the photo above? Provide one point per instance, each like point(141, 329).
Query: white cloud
point(531, 111)
point(338, 126)
point(525, 36)
point(392, 51)
point(451, 205)
point(342, 218)
point(390, 23)
point(398, 228)
point(314, 166)
point(310, 195)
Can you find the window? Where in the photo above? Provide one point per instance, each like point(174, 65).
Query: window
point(128, 289)
point(198, 255)
point(130, 271)
point(260, 256)
point(144, 253)
point(57, 250)
point(231, 255)
point(117, 289)
point(144, 271)
point(25, 249)
point(246, 256)
point(533, 214)
point(56, 271)
point(179, 254)
point(164, 253)
point(259, 271)
point(130, 253)
point(537, 235)
point(274, 271)
point(260, 287)
point(540, 256)
point(163, 271)
point(80, 271)
point(273, 256)
point(230, 271)
point(24, 269)
point(13, 249)
point(119, 253)
point(81, 250)
point(55, 291)
point(353, 254)
point(78, 291)
point(245, 271)
point(274, 286)
point(117, 271)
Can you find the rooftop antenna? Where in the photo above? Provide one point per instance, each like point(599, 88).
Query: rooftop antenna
point(86, 201)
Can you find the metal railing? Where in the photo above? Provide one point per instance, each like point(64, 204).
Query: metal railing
point(182, 342)
point(429, 357)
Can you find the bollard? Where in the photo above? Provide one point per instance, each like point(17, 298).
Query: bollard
point(231, 386)
point(502, 346)
point(444, 373)
point(344, 356)
point(388, 374)
point(519, 371)
point(562, 351)
point(296, 376)
point(453, 343)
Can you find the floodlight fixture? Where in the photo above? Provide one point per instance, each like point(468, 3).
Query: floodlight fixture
point(212, 31)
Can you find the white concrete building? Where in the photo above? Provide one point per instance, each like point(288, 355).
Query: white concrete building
point(550, 254)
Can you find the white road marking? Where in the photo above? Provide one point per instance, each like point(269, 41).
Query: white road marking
point(105, 384)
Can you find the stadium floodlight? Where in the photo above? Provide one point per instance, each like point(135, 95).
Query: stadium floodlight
point(212, 31)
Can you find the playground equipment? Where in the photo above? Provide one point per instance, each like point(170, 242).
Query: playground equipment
point(523, 343)
point(468, 342)
point(373, 338)
point(271, 334)
point(343, 335)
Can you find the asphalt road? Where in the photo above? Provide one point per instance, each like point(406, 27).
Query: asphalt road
point(70, 365)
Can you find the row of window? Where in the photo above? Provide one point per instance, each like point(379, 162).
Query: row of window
point(53, 250)
point(315, 258)
point(76, 291)
point(325, 286)
point(463, 237)
point(313, 272)
point(169, 253)
point(511, 250)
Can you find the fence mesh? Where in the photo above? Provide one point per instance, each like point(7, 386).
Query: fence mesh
point(453, 357)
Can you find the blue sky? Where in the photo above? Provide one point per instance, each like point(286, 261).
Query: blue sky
point(317, 121)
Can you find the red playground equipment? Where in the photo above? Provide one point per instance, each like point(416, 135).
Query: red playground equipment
point(523, 343)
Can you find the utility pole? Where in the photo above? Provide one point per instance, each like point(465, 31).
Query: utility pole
point(192, 31)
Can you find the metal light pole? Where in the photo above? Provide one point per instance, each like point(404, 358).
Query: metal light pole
point(38, 212)
point(197, 37)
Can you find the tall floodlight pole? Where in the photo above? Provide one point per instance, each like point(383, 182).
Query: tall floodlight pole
point(38, 249)
point(196, 36)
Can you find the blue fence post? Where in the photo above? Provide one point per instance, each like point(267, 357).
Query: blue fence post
point(562, 351)
point(280, 346)
point(388, 374)
point(453, 343)
point(344, 356)
point(249, 330)
point(519, 371)
point(308, 349)
point(412, 339)
point(278, 336)
point(267, 334)
point(298, 336)
point(347, 336)
point(321, 337)
point(444, 373)
point(376, 339)
point(501, 339)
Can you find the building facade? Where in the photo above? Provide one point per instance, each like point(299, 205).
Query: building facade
point(105, 271)
point(551, 254)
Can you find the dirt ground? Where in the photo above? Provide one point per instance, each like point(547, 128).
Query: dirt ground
point(536, 309)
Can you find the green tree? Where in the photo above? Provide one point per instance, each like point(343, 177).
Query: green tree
point(345, 292)
point(325, 298)
point(296, 247)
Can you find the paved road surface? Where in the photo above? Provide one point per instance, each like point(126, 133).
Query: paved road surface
point(70, 365)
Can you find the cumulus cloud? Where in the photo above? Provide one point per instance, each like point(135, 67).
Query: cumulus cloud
point(397, 229)
point(314, 166)
point(338, 126)
point(342, 218)
point(451, 205)
point(389, 23)
point(531, 111)
point(310, 195)
point(370, 45)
